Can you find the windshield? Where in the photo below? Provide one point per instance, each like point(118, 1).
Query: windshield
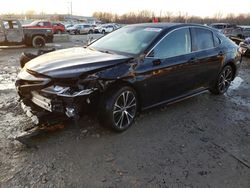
point(130, 39)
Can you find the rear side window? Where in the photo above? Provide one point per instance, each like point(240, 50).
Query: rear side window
point(216, 41)
point(202, 39)
point(174, 44)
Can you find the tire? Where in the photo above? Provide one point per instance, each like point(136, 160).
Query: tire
point(90, 31)
point(103, 32)
point(38, 42)
point(118, 108)
point(223, 81)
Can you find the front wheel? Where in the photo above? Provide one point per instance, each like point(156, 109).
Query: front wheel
point(119, 108)
point(223, 81)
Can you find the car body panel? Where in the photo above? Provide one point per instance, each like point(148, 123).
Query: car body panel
point(73, 62)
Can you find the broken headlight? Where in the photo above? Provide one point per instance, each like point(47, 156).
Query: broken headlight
point(68, 91)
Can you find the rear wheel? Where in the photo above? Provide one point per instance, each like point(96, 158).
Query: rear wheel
point(38, 42)
point(119, 108)
point(223, 81)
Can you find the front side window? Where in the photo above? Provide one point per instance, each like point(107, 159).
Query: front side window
point(174, 44)
point(202, 39)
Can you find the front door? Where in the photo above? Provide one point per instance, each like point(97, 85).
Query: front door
point(167, 71)
point(14, 32)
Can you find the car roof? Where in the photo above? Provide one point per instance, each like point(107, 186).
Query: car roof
point(166, 25)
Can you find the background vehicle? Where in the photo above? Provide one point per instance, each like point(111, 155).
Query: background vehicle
point(237, 34)
point(80, 29)
point(58, 28)
point(39, 24)
point(222, 26)
point(131, 69)
point(106, 28)
point(12, 33)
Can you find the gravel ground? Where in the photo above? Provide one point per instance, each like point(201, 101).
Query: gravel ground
point(200, 142)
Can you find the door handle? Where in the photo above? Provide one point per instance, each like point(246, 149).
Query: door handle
point(156, 62)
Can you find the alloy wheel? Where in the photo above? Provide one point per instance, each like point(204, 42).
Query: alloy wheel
point(124, 109)
point(225, 79)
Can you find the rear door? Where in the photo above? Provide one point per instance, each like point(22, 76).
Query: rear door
point(14, 32)
point(208, 55)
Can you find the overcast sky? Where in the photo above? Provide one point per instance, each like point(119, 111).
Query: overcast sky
point(87, 7)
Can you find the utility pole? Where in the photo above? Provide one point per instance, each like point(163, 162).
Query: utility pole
point(70, 8)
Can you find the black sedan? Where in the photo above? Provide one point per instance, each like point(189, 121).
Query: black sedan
point(131, 69)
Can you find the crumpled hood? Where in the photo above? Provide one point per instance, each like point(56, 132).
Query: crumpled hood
point(73, 62)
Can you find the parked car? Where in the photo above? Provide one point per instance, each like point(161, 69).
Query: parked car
point(80, 29)
point(222, 26)
point(39, 24)
point(12, 33)
point(55, 27)
point(245, 47)
point(131, 69)
point(237, 34)
point(106, 28)
point(58, 28)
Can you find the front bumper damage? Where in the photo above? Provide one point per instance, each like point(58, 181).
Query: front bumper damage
point(47, 108)
point(40, 96)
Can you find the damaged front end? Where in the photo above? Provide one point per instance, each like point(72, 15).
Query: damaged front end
point(66, 84)
point(42, 95)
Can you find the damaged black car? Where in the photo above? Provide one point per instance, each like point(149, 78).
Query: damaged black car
point(131, 69)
